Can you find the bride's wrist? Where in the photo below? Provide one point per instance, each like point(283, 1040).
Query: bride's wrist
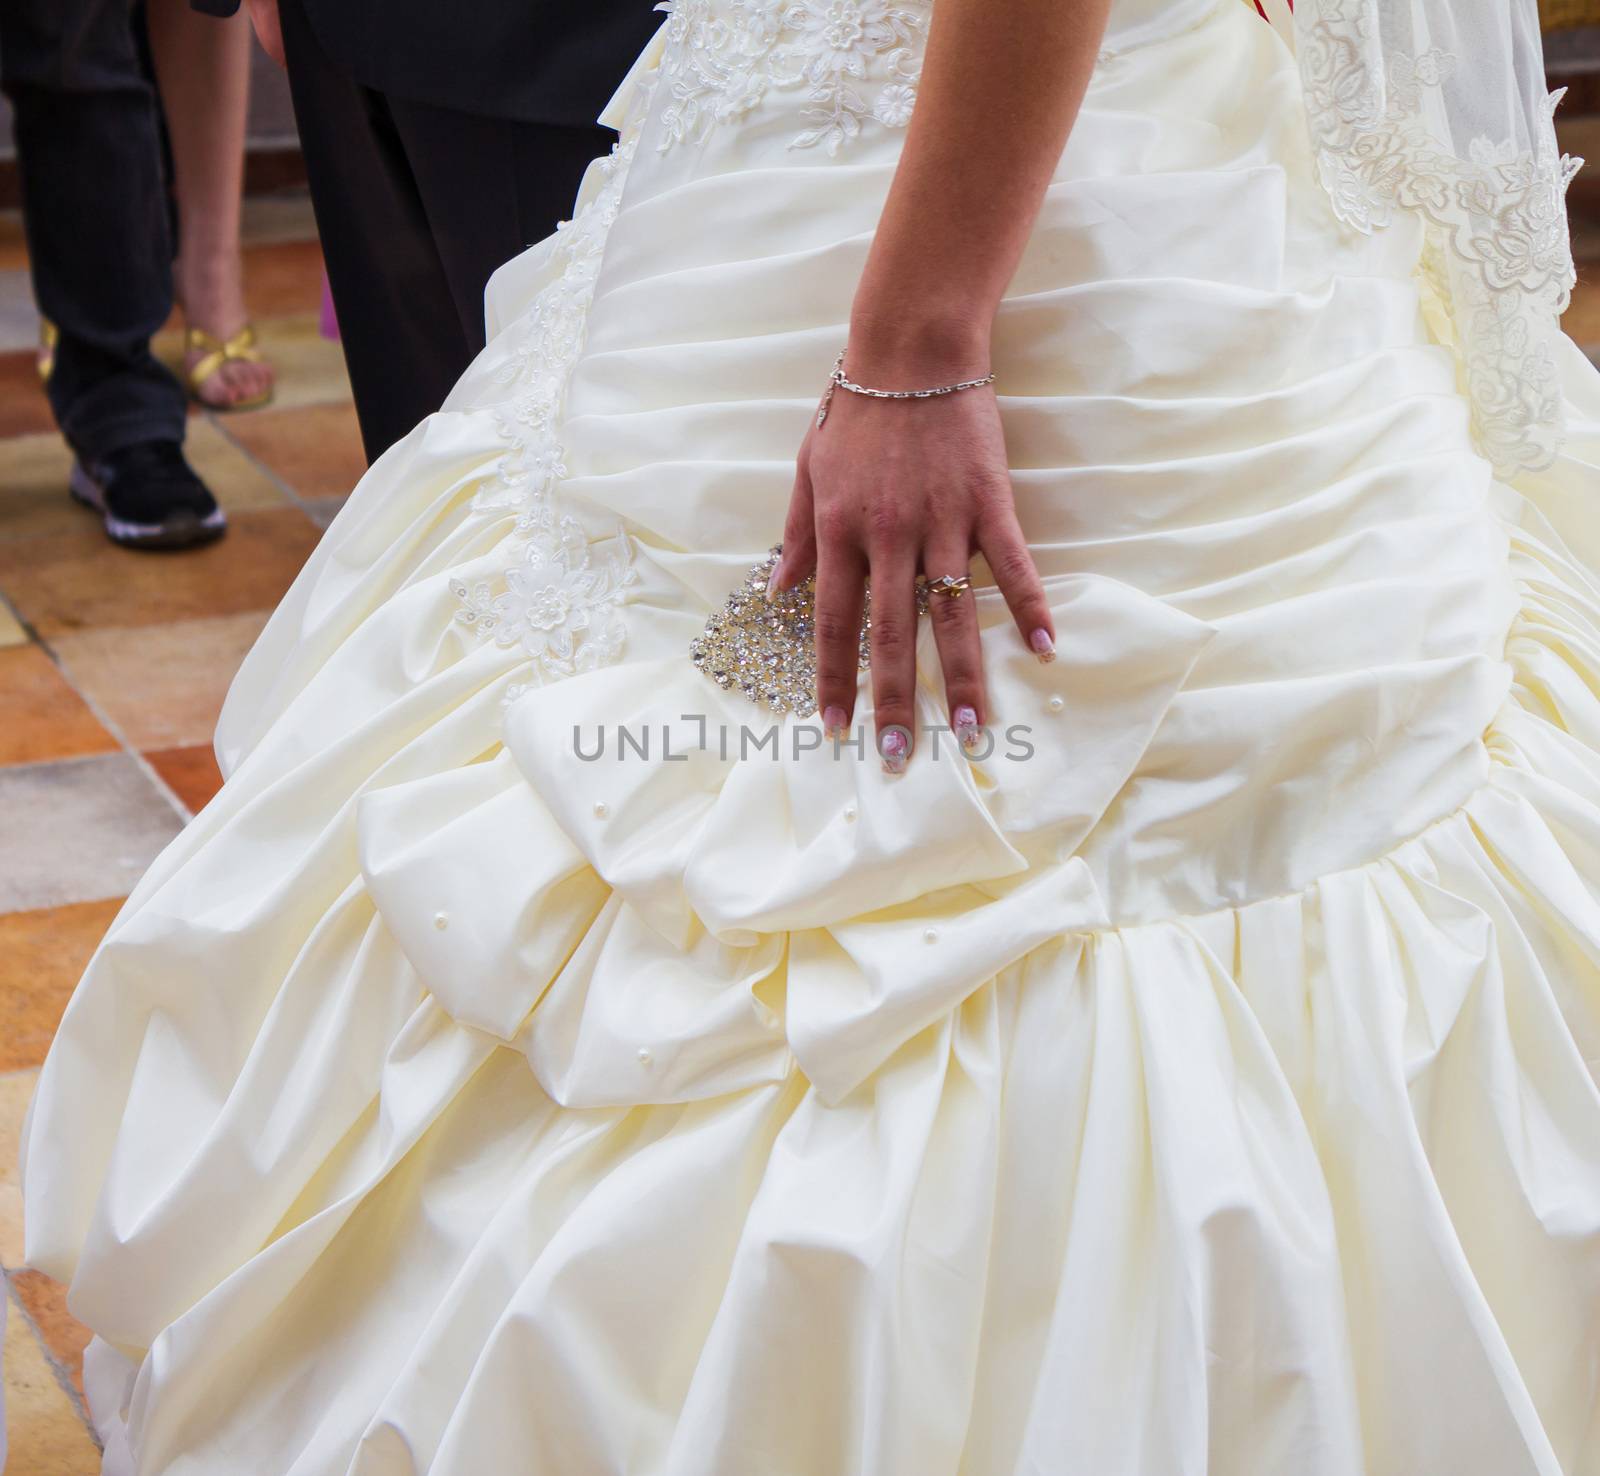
point(899, 352)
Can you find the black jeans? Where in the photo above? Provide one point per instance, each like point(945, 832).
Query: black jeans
point(416, 206)
point(95, 210)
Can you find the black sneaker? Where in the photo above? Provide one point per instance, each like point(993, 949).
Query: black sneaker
point(149, 497)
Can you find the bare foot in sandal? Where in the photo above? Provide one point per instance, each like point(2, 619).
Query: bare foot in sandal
point(222, 365)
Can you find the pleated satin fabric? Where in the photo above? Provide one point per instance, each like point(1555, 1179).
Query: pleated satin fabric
point(1212, 1092)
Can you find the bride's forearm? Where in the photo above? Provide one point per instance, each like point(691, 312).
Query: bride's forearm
point(1001, 85)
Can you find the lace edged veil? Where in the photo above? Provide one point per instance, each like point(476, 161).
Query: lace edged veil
point(1439, 108)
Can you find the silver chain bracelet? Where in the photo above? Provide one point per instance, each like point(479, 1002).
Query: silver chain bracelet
point(837, 381)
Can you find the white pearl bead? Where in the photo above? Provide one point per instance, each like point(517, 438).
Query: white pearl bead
point(1055, 704)
point(645, 1058)
point(931, 935)
point(601, 809)
point(441, 920)
point(849, 812)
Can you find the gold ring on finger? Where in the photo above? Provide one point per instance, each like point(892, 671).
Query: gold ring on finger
point(951, 586)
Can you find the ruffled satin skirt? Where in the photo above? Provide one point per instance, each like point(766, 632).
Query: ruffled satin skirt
point(1211, 1090)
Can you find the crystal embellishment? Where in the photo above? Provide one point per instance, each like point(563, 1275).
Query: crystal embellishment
point(766, 649)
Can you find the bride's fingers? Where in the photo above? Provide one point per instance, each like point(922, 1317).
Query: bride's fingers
point(841, 575)
point(894, 655)
point(799, 556)
point(1008, 555)
point(955, 629)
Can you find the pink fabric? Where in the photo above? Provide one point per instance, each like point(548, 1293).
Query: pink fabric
point(328, 323)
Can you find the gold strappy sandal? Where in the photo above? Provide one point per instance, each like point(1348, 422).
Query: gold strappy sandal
point(49, 337)
point(215, 353)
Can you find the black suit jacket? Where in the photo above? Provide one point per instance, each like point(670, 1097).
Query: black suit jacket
point(541, 61)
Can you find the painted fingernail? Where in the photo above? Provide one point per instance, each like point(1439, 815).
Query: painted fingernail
point(772, 581)
point(968, 734)
point(1043, 647)
point(833, 722)
point(894, 746)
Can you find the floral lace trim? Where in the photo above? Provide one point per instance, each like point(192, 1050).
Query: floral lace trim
point(1498, 252)
point(559, 601)
point(855, 62)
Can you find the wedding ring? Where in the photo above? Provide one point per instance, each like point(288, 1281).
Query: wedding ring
point(951, 586)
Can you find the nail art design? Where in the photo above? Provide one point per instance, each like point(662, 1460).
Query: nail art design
point(1043, 647)
point(833, 722)
point(894, 747)
point(965, 722)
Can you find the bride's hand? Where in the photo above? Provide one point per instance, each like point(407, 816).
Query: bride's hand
point(885, 490)
point(890, 487)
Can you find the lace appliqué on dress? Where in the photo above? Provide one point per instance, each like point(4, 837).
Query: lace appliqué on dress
point(855, 62)
point(559, 601)
point(1496, 216)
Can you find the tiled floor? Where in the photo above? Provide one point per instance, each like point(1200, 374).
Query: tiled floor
point(112, 669)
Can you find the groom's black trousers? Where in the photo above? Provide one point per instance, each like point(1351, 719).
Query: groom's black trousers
point(416, 206)
point(94, 198)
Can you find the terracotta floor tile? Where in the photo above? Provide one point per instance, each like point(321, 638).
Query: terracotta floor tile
point(43, 717)
point(323, 510)
point(192, 773)
point(64, 1337)
point(235, 481)
point(33, 487)
point(161, 685)
point(34, 469)
point(283, 277)
point(16, 1091)
point(75, 579)
point(13, 244)
point(310, 368)
point(19, 318)
point(12, 633)
point(46, 1433)
point(23, 407)
point(43, 954)
point(80, 830)
point(316, 449)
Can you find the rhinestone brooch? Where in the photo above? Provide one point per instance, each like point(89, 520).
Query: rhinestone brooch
point(766, 649)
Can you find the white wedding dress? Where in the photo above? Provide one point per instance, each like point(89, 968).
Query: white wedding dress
point(1212, 1092)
